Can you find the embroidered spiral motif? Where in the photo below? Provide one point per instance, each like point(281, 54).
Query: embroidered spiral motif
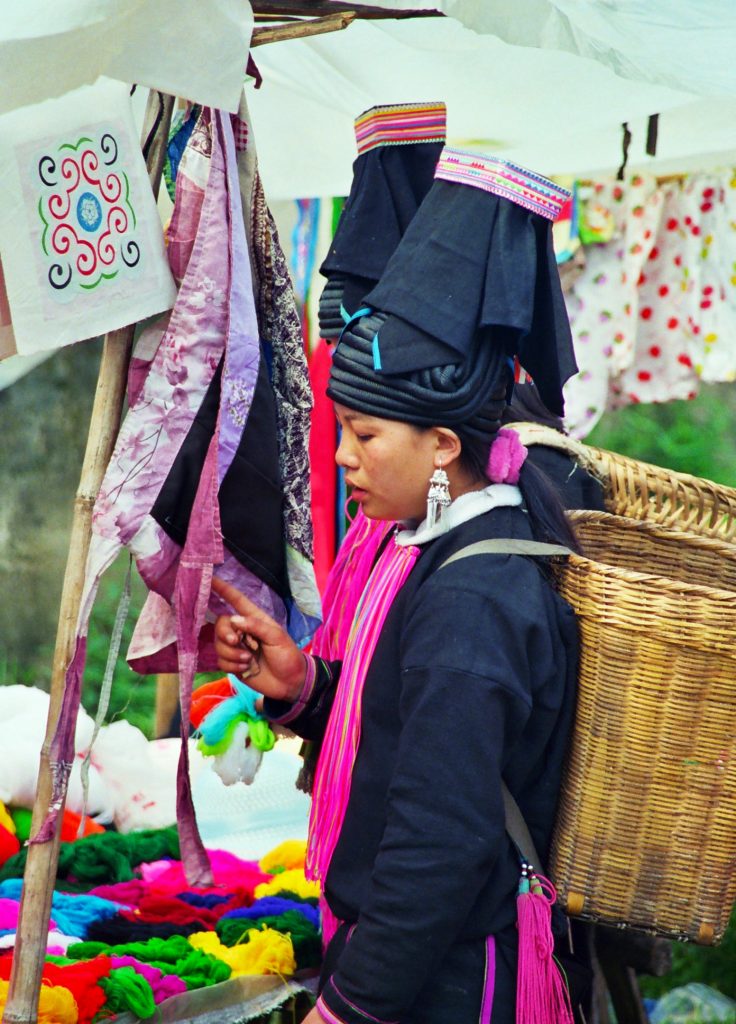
point(87, 220)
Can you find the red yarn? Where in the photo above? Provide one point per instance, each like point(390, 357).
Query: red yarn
point(128, 893)
point(70, 827)
point(154, 909)
point(207, 697)
point(541, 993)
point(9, 844)
point(81, 979)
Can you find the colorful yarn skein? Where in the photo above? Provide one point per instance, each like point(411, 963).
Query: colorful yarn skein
point(231, 731)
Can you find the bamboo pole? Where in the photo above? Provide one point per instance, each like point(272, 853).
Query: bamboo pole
point(167, 701)
point(313, 8)
point(40, 872)
point(301, 29)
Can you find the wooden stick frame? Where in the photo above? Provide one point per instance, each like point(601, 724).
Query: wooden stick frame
point(301, 29)
point(40, 873)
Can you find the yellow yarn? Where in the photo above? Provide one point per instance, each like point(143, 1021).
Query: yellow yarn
point(287, 855)
point(292, 880)
point(5, 819)
point(262, 952)
point(56, 1004)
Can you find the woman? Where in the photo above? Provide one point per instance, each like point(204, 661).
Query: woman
point(459, 675)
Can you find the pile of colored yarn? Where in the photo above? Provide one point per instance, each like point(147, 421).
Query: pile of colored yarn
point(132, 942)
point(231, 731)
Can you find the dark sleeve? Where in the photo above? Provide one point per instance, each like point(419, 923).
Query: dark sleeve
point(466, 697)
point(308, 715)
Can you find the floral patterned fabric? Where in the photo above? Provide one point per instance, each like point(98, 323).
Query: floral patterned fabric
point(281, 336)
point(654, 310)
point(209, 348)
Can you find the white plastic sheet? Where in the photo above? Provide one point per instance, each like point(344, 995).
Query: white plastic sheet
point(192, 48)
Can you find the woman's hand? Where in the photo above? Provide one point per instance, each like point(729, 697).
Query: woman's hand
point(271, 661)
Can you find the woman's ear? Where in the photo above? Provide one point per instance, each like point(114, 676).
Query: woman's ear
point(448, 446)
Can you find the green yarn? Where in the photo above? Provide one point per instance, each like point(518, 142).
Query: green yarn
point(22, 820)
point(172, 956)
point(161, 953)
point(60, 961)
point(126, 989)
point(304, 936)
point(102, 858)
point(200, 970)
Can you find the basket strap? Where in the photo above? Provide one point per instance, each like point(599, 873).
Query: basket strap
point(507, 546)
point(516, 826)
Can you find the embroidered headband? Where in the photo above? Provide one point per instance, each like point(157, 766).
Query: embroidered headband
point(502, 178)
point(400, 124)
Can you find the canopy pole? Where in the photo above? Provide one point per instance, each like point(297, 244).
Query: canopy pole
point(41, 866)
point(302, 29)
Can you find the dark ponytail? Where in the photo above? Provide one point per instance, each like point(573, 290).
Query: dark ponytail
point(542, 499)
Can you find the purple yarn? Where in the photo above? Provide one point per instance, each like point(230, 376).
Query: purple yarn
point(203, 899)
point(269, 906)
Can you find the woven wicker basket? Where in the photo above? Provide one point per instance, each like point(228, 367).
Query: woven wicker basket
point(642, 491)
point(646, 829)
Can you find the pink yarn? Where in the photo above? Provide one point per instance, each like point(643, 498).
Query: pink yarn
point(506, 458)
point(169, 985)
point(9, 910)
point(162, 985)
point(541, 993)
point(228, 871)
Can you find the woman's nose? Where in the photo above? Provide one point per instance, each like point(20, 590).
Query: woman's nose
point(343, 456)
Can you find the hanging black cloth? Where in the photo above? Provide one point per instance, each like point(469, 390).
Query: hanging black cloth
point(399, 146)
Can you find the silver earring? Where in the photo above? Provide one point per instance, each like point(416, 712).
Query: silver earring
point(438, 497)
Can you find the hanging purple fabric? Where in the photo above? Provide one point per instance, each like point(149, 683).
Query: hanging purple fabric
point(212, 330)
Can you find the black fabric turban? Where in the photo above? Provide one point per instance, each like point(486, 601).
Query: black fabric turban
point(473, 284)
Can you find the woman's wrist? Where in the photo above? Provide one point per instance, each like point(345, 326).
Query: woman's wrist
point(303, 689)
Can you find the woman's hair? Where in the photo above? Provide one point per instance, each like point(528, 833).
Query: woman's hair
point(542, 499)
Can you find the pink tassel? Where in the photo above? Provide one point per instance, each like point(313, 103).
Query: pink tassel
point(541, 992)
point(345, 583)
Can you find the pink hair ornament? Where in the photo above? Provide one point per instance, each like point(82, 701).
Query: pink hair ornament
point(506, 458)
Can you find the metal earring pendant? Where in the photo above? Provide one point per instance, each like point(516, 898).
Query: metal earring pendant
point(438, 497)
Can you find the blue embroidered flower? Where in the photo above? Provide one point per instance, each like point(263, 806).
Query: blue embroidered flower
point(89, 212)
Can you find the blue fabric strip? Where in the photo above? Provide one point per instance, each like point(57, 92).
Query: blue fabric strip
point(376, 353)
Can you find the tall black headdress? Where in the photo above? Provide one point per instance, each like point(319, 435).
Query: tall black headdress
point(472, 285)
point(398, 149)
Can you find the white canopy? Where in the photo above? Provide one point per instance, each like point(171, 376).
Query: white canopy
point(536, 81)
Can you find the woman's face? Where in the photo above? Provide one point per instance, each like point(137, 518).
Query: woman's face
point(388, 464)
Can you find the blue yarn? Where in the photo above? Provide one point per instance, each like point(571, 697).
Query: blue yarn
point(201, 899)
point(73, 914)
point(215, 725)
point(269, 906)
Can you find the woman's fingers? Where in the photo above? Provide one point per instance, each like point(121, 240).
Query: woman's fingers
point(249, 618)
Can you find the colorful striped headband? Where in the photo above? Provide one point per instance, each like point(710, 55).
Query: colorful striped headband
point(490, 173)
point(400, 124)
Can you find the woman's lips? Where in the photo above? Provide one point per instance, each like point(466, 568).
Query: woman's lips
point(357, 493)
